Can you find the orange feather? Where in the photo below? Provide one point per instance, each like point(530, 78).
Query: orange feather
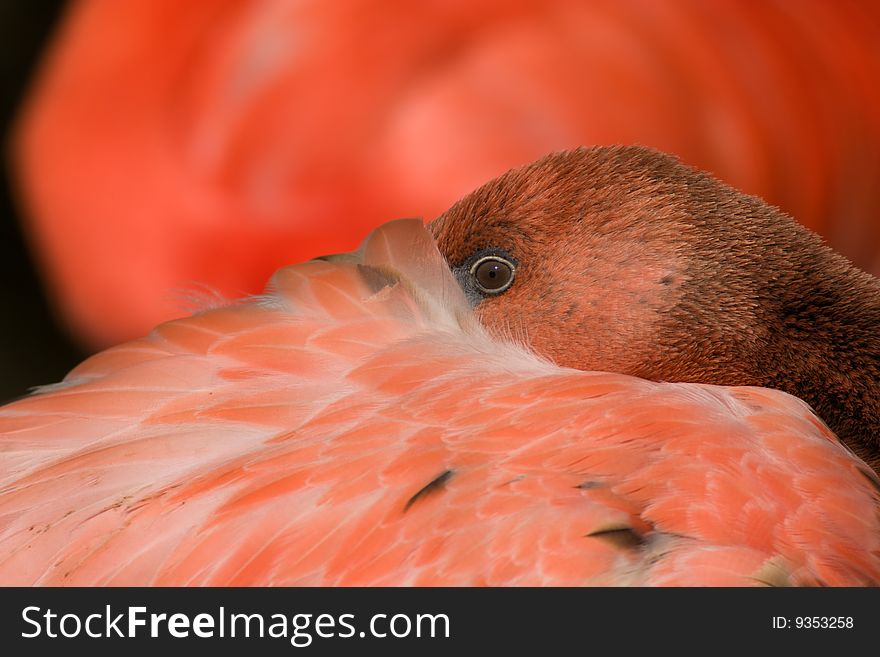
point(243, 446)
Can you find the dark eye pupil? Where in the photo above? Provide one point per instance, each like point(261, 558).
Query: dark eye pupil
point(493, 275)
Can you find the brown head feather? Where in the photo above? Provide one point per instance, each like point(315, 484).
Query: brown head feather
point(629, 261)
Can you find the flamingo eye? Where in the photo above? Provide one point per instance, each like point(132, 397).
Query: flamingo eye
point(493, 274)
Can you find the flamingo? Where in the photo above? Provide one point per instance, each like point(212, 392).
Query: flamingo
point(212, 142)
point(631, 262)
point(413, 413)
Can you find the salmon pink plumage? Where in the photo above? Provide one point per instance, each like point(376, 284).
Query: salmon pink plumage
point(355, 425)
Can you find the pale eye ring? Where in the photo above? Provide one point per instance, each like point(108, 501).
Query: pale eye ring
point(493, 274)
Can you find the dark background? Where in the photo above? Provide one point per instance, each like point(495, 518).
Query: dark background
point(34, 347)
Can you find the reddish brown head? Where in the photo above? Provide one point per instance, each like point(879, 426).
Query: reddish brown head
point(624, 259)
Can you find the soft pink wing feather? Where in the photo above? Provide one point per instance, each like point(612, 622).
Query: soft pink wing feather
point(356, 426)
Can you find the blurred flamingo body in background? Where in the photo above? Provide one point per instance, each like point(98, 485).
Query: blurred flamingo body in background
point(355, 425)
point(169, 144)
